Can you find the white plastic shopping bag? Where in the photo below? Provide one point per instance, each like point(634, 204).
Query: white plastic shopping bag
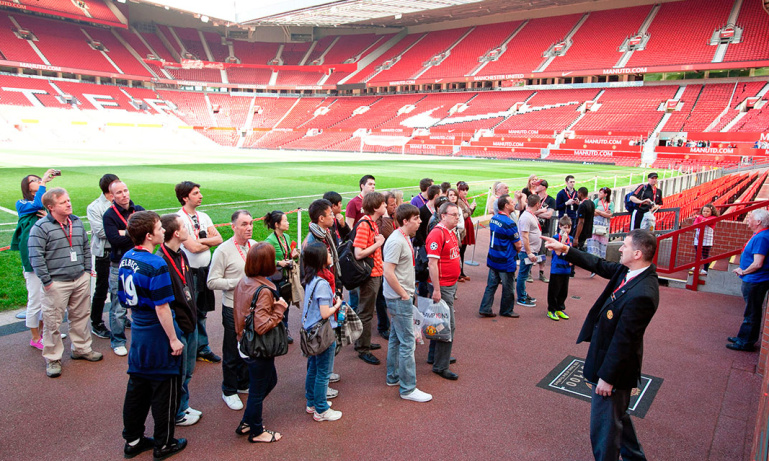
point(437, 319)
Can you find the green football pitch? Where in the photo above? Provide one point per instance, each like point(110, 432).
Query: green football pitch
point(259, 182)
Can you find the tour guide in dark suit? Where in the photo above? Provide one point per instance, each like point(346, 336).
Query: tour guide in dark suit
point(615, 328)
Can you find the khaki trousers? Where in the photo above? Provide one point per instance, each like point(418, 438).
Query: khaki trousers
point(75, 298)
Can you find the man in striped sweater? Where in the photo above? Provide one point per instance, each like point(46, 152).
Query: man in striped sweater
point(61, 258)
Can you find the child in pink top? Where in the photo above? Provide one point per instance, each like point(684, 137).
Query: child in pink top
point(708, 212)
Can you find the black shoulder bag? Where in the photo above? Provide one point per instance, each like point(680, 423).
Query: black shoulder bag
point(274, 343)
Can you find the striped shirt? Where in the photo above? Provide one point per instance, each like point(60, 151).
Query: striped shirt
point(51, 254)
point(502, 254)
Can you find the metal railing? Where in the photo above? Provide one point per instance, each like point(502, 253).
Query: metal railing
point(698, 261)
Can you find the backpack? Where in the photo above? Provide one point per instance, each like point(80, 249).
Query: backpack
point(354, 271)
point(629, 205)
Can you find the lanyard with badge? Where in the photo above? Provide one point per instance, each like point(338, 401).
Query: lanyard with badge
point(182, 273)
point(572, 196)
point(72, 252)
point(411, 247)
point(121, 216)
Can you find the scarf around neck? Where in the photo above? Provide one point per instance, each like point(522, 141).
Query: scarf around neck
point(325, 236)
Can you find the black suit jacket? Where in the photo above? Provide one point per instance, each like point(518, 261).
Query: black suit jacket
point(616, 323)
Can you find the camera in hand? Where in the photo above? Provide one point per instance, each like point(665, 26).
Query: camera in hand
point(56, 173)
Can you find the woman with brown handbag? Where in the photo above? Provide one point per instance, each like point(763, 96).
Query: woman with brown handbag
point(268, 312)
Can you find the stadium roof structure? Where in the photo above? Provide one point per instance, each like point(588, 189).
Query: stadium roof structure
point(368, 13)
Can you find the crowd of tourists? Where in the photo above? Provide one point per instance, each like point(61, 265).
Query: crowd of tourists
point(375, 258)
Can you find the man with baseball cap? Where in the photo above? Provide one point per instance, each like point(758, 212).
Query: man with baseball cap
point(648, 199)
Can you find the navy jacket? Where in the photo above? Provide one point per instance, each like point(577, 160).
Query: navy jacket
point(112, 227)
point(616, 323)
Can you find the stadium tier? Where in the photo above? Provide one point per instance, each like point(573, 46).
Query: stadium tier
point(630, 38)
point(660, 120)
point(585, 125)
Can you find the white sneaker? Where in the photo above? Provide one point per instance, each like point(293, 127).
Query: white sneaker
point(311, 410)
point(331, 393)
point(192, 411)
point(703, 272)
point(188, 420)
point(121, 351)
point(334, 378)
point(233, 401)
point(417, 396)
point(328, 415)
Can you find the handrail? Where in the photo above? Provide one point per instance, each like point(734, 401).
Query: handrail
point(698, 260)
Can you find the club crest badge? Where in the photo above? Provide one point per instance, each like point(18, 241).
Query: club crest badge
point(609, 315)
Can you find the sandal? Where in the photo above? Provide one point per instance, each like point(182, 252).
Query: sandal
point(243, 428)
point(253, 438)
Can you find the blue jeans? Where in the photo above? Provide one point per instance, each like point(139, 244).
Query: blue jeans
point(754, 294)
point(117, 312)
point(354, 298)
point(523, 275)
point(507, 279)
point(400, 348)
point(263, 377)
point(189, 355)
point(318, 369)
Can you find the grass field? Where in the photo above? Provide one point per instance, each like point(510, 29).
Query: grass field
point(279, 180)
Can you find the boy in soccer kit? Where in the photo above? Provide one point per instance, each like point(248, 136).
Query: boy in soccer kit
point(154, 365)
point(560, 271)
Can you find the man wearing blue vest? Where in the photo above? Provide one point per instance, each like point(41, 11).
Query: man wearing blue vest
point(504, 246)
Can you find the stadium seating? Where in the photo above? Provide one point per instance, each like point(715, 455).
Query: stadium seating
point(293, 53)
point(742, 91)
point(192, 107)
point(65, 44)
point(755, 35)
point(596, 43)
point(412, 61)
point(220, 52)
point(320, 47)
point(232, 110)
point(13, 48)
point(95, 9)
point(711, 102)
point(13, 98)
point(269, 111)
point(464, 57)
point(296, 77)
point(349, 46)
point(158, 47)
point(195, 75)
point(118, 53)
point(544, 115)
point(524, 52)
point(673, 40)
point(191, 41)
point(255, 52)
point(248, 76)
point(369, 71)
point(628, 107)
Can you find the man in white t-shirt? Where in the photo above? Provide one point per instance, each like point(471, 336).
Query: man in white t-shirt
point(398, 291)
point(203, 236)
point(531, 237)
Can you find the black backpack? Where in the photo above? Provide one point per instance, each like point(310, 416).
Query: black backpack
point(629, 205)
point(354, 271)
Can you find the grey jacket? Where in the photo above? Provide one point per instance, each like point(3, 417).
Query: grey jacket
point(99, 245)
point(50, 252)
